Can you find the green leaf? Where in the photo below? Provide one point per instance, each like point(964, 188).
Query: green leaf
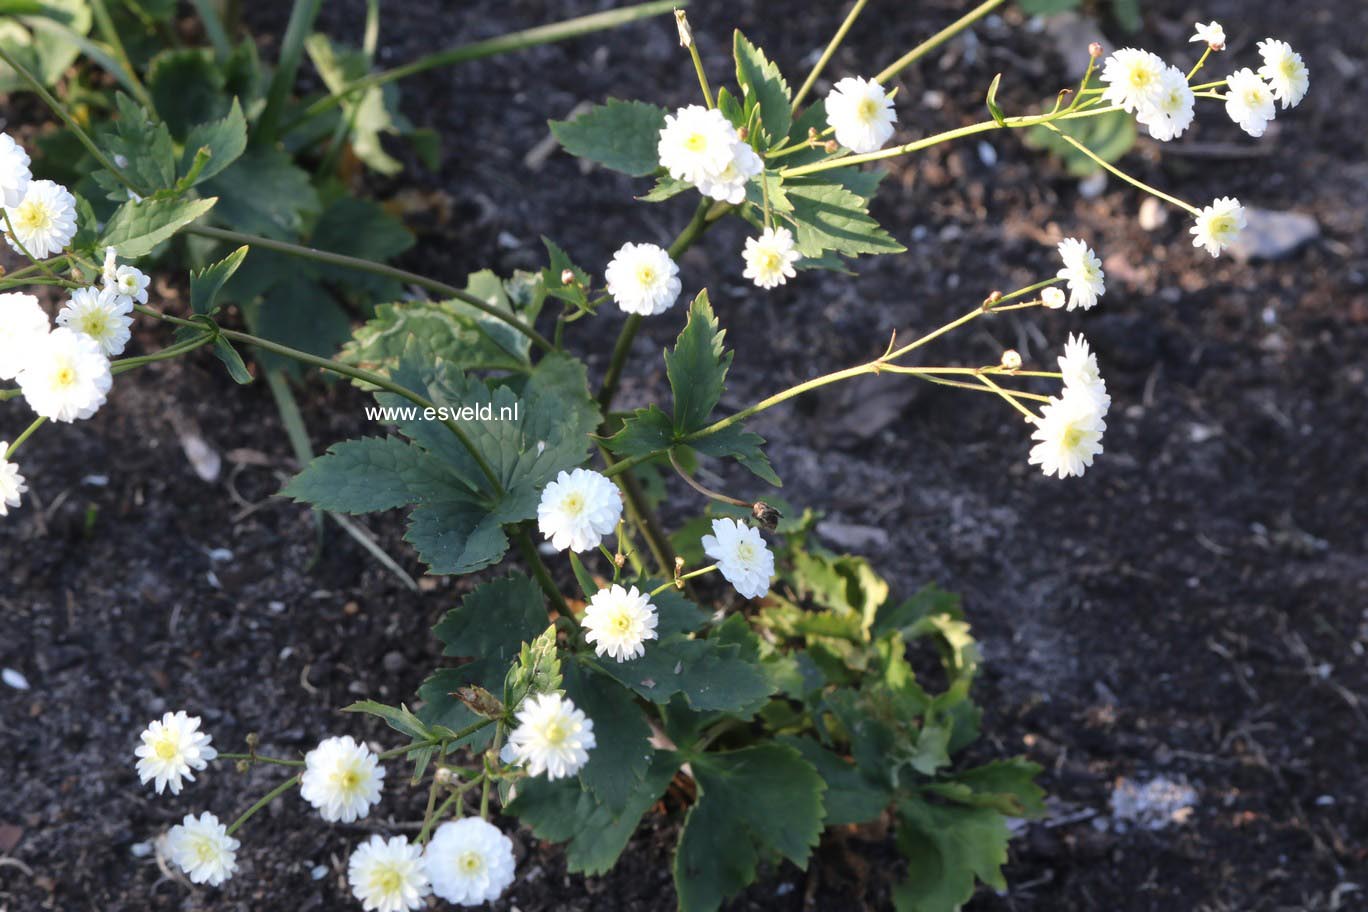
point(648, 430)
point(947, 847)
point(361, 228)
point(224, 351)
point(758, 799)
point(595, 834)
point(618, 764)
point(621, 135)
point(456, 537)
point(206, 283)
point(929, 600)
point(1006, 786)
point(742, 445)
point(301, 313)
point(993, 107)
point(1048, 7)
point(264, 192)
point(438, 330)
point(712, 676)
point(829, 216)
point(396, 717)
point(697, 367)
point(371, 114)
point(762, 84)
point(575, 292)
point(136, 228)
point(665, 188)
point(141, 147)
point(226, 140)
point(850, 798)
point(674, 612)
point(371, 474)
point(47, 54)
point(186, 87)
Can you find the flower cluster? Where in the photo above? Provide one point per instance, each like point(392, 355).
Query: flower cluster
point(1163, 99)
point(699, 146)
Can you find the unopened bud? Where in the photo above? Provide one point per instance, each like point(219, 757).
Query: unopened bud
point(243, 766)
point(567, 277)
point(743, 133)
point(619, 560)
point(813, 135)
point(1095, 50)
point(830, 146)
point(766, 515)
point(685, 33)
point(992, 299)
point(679, 566)
point(1011, 360)
point(253, 739)
point(444, 775)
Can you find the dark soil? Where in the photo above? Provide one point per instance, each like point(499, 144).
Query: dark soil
point(1195, 607)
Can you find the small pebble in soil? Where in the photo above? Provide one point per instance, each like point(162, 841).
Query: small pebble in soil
point(14, 679)
point(1153, 805)
point(319, 872)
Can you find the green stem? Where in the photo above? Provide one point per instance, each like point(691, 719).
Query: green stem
point(697, 60)
point(514, 41)
point(678, 581)
point(127, 364)
point(60, 110)
point(1121, 174)
point(826, 55)
point(542, 573)
point(257, 758)
point(938, 39)
point(381, 269)
point(431, 818)
point(213, 28)
point(266, 799)
point(19, 441)
point(302, 17)
point(14, 236)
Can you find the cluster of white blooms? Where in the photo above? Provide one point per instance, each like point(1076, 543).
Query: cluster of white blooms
point(742, 556)
point(342, 779)
point(699, 146)
point(861, 114)
point(619, 622)
point(552, 737)
point(770, 258)
point(11, 482)
point(1218, 225)
point(1070, 427)
point(578, 509)
point(643, 279)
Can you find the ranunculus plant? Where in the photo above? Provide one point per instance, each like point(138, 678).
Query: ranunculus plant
point(735, 674)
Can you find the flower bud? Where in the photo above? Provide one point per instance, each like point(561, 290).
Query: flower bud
point(1095, 50)
point(685, 33)
point(813, 135)
point(1011, 360)
point(679, 566)
point(444, 775)
point(831, 146)
point(1053, 297)
point(619, 560)
point(743, 133)
point(253, 739)
point(765, 515)
point(243, 765)
point(567, 277)
point(992, 299)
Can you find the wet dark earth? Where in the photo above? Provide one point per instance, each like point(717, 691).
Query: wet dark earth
point(1194, 609)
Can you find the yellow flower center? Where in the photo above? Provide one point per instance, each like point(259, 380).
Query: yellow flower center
point(95, 325)
point(1222, 225)
point(385, 880)
point(646, 274)
point(471, 863)
point(554, 733)
point(1254, 96)
point(696, 142)
point(1072, 437)
point(32, 216)
point(745, 552)
point(573, 504)
point(770, 261)
point(166, 747)
point(205, 850)
point(621, 623)
point(867, 109)
point(1141, 77)
point(1288, 67)
point(65, 376)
